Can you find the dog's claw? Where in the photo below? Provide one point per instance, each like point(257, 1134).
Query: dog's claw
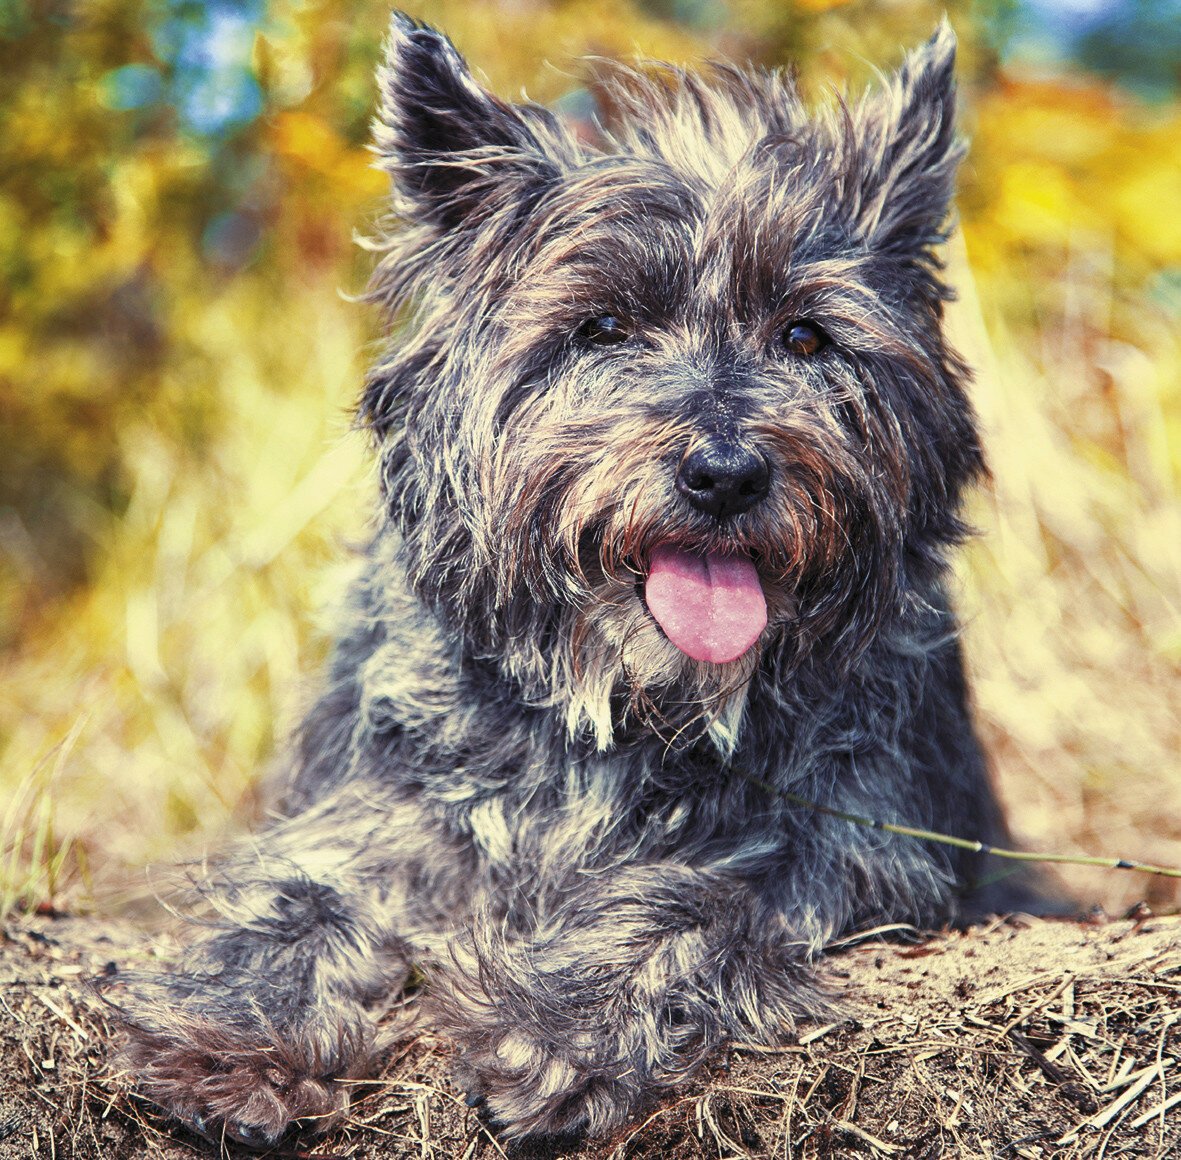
point(196, 1123)
point(252, 1136)
point(248, 1135)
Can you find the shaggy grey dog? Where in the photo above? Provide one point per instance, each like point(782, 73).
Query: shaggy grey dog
point(672, 452)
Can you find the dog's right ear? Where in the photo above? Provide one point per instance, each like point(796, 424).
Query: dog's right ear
point(451, 147)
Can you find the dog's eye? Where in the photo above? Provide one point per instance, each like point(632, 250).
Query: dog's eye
point(606, 330)
point(804, 337)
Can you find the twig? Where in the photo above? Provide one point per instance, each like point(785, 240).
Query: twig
point(1066, 1083)
point(872, 1141)
point(819, 1033)
point(976, 847)
point(1044, 1001)
point(1103, 1118)
point(1159, 1110)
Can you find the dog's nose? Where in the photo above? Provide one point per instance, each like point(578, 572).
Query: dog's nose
point(722, 478)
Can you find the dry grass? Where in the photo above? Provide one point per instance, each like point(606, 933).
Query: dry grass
point(138, 716)
point(1024, 1039)
point(1071, 592)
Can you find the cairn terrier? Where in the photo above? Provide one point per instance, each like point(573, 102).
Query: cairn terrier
point(672, 454)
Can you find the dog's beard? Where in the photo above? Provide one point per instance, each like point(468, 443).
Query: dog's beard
point(618, 644)
point(620, 656)
point(573, 533)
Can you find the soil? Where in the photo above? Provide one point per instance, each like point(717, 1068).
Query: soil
point(1023, 1038)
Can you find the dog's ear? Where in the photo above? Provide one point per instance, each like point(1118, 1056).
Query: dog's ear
point(450, 146)
point(903, 152)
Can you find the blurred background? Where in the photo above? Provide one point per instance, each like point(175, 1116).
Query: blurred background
point(180, 182)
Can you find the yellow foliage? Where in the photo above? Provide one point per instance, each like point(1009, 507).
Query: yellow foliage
point(821, 5)
point(312, 145)
point(1075, 158)
point(1147, 204)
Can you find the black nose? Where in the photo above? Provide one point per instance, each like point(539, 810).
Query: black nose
point(722, 478)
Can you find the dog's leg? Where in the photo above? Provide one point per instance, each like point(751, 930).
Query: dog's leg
point(616, 994)
point(275, 1001)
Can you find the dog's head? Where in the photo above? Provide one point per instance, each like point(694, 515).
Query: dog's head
point(675, 400)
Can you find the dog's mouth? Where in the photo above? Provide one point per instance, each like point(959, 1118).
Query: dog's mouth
point(710, 605)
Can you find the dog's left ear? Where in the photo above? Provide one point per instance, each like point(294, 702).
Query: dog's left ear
point(451, 147)
point(903, 153)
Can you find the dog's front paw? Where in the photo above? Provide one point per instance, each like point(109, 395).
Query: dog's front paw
point(250, 1084)
point(527, 1088)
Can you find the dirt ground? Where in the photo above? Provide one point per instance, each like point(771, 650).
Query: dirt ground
point(1024, 1038)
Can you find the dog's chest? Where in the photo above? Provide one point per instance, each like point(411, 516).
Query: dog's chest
point(607, 810)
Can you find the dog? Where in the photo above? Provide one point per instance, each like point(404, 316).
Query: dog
point(672, 454)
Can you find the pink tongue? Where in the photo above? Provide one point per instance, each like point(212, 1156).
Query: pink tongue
point(711, 607)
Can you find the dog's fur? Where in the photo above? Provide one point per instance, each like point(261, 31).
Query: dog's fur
point(513, 780)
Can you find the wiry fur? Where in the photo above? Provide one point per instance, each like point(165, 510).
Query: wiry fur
point(512, 778)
